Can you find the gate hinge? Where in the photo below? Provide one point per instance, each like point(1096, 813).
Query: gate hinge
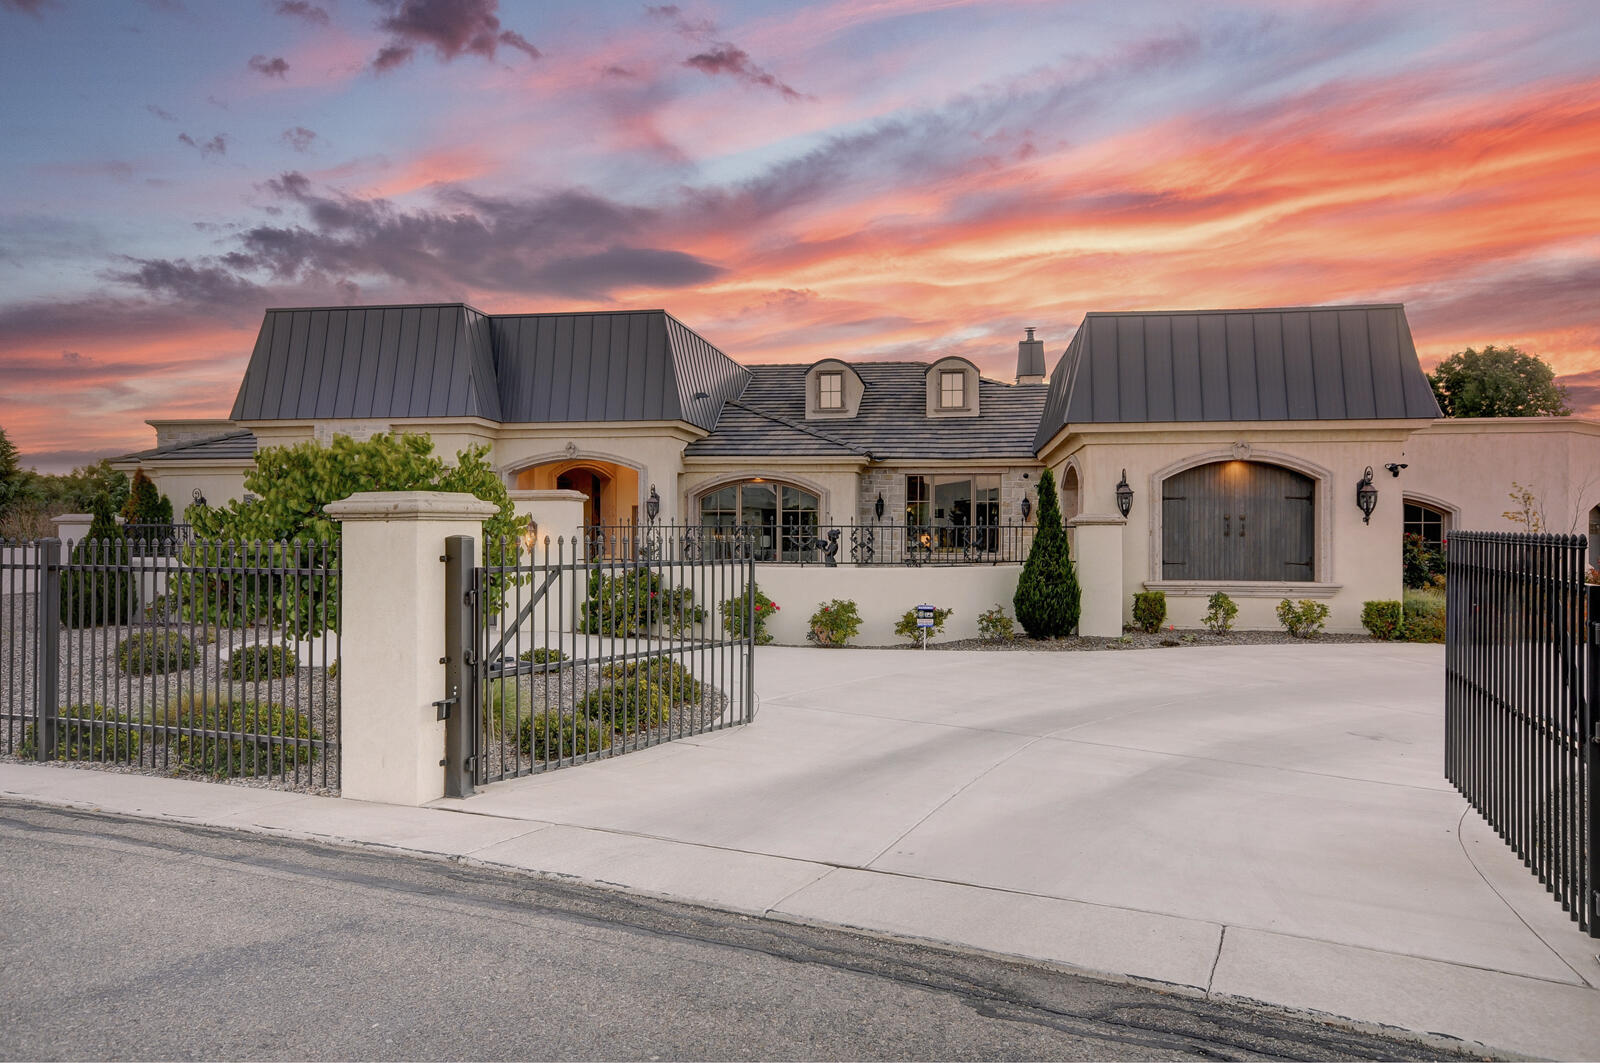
point(443, 707)
point(469, 658)
point(470, 764)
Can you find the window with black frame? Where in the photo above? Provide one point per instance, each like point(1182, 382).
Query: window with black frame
point(1423, 520)
point(780, 518)
point(953, 512)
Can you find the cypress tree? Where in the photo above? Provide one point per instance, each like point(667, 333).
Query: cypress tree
point(1048, 598)
point(92, 596)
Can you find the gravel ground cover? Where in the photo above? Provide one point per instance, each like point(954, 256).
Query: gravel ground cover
point(561, 689)
point(90, 674)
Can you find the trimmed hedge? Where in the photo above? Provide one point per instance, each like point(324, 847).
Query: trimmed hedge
point(628, 704)
point(551, 736)
point(87, 732)
point(1149, 610)
point(262, 661)
point(270, 740)
point(156, 653)
point(1383, 619)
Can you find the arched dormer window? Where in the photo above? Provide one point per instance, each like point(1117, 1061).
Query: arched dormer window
point(833, 391)
point(952, 388)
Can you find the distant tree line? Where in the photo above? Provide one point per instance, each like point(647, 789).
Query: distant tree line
point(29, 499)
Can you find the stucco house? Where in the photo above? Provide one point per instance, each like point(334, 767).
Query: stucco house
point(1236, 439)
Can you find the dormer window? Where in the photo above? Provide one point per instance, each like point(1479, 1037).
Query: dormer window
point(952, 389)
point(830, 391)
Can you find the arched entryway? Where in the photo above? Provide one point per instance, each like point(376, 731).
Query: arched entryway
point(1238, 520)
point(612, 490)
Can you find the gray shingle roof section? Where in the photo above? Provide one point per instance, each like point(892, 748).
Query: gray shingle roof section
point(892, 424)
point(1283, 364)
point(430, 360)
point(232, 445)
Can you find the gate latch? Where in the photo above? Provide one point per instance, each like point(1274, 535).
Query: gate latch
point(443, 707)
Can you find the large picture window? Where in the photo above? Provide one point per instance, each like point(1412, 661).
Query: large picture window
point(1238, 520)
point(954, 511)
point(781, 518)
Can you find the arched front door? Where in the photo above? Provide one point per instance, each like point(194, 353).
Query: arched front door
point(1238, 520)
point(592, 484)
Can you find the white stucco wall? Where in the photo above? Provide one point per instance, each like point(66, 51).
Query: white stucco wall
point(883, 593)
point(1356, 562)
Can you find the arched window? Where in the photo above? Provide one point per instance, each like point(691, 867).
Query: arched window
point(1238, 520)
point(1069, 493)
point(781, 517)
point(1425, 520)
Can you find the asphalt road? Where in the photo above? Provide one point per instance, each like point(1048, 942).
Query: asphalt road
point(124, 939)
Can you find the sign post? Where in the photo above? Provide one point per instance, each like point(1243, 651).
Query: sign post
point(924, 622)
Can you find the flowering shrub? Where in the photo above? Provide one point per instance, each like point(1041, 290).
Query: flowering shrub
point(835, 623)
point(1421, 561)
point(630, 603)
point(734, 610)
point(1303, 620)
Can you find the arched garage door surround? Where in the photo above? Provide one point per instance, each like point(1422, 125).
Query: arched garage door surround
point(1223, 519)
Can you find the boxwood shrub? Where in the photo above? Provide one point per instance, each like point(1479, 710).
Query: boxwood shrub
point(1382, 619)
point(88, 732)
point(155, 653)
point(1149, 610)
point(552, 736)
point(262, 661)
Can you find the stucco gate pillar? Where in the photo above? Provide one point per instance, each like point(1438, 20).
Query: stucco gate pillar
point(556, 515)
point(1097, 552)
point(392, 615)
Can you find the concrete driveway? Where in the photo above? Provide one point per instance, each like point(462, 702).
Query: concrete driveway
point(1263, 822)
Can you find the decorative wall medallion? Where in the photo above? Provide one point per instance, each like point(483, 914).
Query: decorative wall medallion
point(1241, 451)
point(572, 449)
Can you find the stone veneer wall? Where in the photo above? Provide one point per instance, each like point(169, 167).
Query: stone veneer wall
point(1014, 484)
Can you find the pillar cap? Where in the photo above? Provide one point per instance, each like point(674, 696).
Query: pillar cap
point(1083, 519)
point(555, 495)
point(410, 505)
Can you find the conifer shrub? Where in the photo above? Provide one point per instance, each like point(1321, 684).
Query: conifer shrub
point(92, 595)
point(1149, 610)
point(1048, 600)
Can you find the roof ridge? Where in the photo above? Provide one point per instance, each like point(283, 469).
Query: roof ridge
point(799, 426)
point(1244, 310)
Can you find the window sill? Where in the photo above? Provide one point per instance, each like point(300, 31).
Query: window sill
point(1191, 588)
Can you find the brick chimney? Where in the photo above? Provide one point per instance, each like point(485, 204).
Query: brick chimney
point(1030, 360)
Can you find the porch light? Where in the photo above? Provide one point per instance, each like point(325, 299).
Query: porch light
point(1124, 494)
point(877, 507)
point(652, 505)
point(1366, 496)
point(530, 535)
point(1027, 507)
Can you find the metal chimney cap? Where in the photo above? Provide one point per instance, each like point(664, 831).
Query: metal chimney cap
point(1029, 329)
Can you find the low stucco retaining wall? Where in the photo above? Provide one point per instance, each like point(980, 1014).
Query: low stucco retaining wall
point(883, 593)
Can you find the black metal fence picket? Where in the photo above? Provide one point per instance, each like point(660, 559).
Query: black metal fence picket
point(1522, 703)
point(207, 658)
point(804, 543)
point(581, 649)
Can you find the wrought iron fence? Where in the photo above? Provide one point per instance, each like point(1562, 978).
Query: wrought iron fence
point(813, 544)
point(563, 657)
point(1522, 701)
point(159, 540)
point(220, 659)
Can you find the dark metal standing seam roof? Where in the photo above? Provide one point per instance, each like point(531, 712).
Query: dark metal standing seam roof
point(370, 361)
point(891, 424)
point(232, 445)
point(1286, 364)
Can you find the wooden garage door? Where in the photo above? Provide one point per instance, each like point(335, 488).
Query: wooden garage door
point(1237, 520)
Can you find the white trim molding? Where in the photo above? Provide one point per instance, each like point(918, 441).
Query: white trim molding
point(1204, 588)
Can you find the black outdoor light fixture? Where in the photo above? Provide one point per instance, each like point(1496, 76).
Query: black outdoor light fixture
point(1394, 468)
point(652, 505)
point(1124, 494)
point(877, 507)
point(199, 499)
point(1367, 496)
point(1027, 507)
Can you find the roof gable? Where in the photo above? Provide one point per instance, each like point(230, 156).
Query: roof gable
point(1284, 364)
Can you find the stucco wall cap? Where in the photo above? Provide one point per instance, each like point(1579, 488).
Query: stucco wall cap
point(561, 495)
point(1095, 518)
point(417, 505)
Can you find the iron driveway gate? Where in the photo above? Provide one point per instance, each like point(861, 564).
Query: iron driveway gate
point(1522, 703)
point(586, 648)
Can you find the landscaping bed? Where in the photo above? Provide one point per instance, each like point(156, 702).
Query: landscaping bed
point(1139, 640)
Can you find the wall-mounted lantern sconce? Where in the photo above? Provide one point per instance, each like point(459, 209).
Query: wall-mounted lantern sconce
point(1124, 494)
point(199, 499)
point(877, 507)
point(1366, 496)
point(1027, 508)
point(1394, 468)
point(652, 505)
point(530, 536)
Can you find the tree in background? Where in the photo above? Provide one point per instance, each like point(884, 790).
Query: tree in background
point(146, 505)
point(1048, 598)
point(1498, 382)
point(11, 477)
point(91, 595)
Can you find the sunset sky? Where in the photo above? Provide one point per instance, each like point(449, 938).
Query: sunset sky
point(872, 179)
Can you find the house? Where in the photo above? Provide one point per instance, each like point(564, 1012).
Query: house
point(1195, 451)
